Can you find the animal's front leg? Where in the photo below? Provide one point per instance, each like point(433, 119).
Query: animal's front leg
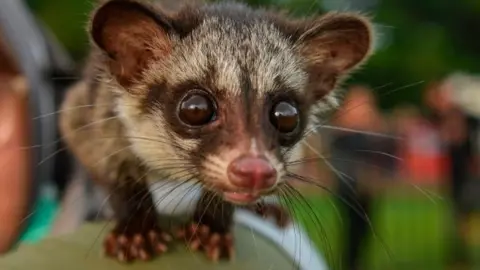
point(211, 228)
point(136, 235)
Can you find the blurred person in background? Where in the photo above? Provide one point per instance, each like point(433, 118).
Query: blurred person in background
point(359, 159)
point(457, 129)
point(420, 149)
point(14, 155)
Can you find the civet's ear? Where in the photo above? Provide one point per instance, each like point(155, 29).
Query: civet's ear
point(131, 34)
point(333, 45)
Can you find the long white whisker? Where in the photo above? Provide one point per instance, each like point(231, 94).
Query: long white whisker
point(375, 134)
point(73, 109)
point(379, 153)
point(337, 172)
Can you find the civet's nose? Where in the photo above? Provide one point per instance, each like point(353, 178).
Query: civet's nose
point(251, 172)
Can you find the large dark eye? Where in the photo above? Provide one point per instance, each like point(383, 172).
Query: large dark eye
point(284, 117)
point(196, 110)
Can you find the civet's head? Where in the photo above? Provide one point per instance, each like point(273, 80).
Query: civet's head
point(223, 93)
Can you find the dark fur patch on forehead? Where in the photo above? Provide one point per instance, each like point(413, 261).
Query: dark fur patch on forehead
point(186, 21)
point(248, 95)
point(238, 13)
point(234, 11)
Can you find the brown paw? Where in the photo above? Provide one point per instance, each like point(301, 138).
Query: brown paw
point(215, 245)
point(126, 247)
point(281, 216)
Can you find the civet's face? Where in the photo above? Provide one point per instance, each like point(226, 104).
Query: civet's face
point(223, 90)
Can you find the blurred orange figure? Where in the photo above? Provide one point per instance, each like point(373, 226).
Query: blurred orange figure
point(424, 161)
point(14, 156)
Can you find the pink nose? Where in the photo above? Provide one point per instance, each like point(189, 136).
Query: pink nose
point(252, 173)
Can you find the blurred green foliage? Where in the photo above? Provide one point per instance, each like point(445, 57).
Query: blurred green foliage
point(423, 40)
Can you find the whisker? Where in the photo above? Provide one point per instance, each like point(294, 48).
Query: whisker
point(122, 185)
point(158, 202)
point(65, 148)
point(427, 194)
point(380, 153)
point(65, 78)
point(73, 109)
point(166, 141)
point(321, 232)
point(342, 111)
point(309, 180)
point(307, 160)
point(287, 198)
point(81, 128)
point(331, 167)
point(314, 159)
point(370, 133)
point(364, 216)
point(376, 88)
point(285, 201)
point(97, 238)
point(212, 198)
point(191, 189)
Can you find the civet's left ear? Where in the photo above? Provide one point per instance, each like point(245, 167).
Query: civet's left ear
point(132, 34)
point(333, 45)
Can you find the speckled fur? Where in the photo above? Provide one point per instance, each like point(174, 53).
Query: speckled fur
point(120, 120)
point(250, 39)
point(107, 123)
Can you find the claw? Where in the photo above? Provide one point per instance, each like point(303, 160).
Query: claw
point(161, 248)
point(195, 244)
point(141, 246)
point(215, 245)
point(166, 237)
point(143, 255)
point(215, 254)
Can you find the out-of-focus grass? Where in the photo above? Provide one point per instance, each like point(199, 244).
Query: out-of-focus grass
point(413, 229)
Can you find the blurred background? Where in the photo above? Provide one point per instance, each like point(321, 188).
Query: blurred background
point(399, 167)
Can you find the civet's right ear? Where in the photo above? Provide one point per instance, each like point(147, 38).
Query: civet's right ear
point(333, 45)
point(131, 34)
point(340, 40)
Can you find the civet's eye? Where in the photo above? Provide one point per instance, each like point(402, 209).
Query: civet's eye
point(197, 109)
point(284, 117)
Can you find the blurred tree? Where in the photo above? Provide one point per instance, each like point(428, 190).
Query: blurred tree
point(67, 19)
point(421, 40)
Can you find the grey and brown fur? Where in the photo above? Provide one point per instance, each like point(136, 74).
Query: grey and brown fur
point(120, 121)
